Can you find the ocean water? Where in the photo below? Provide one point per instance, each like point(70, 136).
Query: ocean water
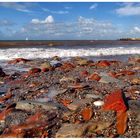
point(119, 52)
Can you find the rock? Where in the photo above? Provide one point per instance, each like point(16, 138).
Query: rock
point(56, 58)
point(55, 63)
point(94, 76)
point(78, 103)
point(84, 73)
point(135, 81)
point(115, 101)
point(2, 73)
point(34, 70)
point(105, 78)
point(125, 72)
point(15, 118)
point(98, 103)
point(45, 65)
point(2, 126)
point(103, 63)
point(71, 131)
point(18, 60)
point(121, 124)
point(134, 104)
point(34, 105)
point(67, 66)
point(98, 126)
point(65, 79)
point(87, 113)
point(134, 59)
point(82, 61)
point(94, 96)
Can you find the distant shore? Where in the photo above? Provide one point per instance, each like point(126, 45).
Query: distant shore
point(49, 43)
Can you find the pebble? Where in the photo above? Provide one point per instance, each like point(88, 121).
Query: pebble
point(94, 96)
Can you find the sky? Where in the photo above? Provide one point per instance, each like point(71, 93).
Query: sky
point(69, 20)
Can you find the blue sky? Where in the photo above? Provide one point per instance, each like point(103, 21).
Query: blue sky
point(69, 20)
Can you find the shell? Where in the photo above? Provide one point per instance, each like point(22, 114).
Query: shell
point(98, 103)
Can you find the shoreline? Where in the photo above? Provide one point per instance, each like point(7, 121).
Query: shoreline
point(74, 98)
point(4, 44)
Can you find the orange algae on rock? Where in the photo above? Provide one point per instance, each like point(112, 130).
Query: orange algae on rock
point(66, 102)
point(115, 101)
point(121, 122)
point(94, 76)
point(87, 113)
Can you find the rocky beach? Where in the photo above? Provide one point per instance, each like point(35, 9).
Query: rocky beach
point(77, 97)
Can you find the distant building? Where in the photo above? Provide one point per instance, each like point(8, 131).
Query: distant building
point(127, 39)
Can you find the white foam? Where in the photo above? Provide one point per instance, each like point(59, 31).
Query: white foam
point(32, 53)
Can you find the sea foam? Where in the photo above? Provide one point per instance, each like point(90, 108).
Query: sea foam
point(33, 53)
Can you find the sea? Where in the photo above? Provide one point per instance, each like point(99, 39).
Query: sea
point(92, 52)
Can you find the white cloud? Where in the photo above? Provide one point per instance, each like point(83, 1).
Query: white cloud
point(129, 9)
point(48, 19)
point(22, 7)
point(5, 22)
point(55, 12)
point(93, 6)
point(82, 28)
point(135, 30)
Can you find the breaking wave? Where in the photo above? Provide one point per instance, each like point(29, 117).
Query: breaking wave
point(33, 53)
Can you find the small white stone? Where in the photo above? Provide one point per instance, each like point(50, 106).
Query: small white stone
point(98, 103)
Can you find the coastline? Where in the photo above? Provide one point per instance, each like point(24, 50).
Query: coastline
point(13, 44)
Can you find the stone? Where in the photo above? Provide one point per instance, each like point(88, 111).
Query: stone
point(18, 60)
point(78, 103)
point(105, 78)
point(55, 63)
point(71, 131)
point(45, 65)
point(135, 81)
point(65, 79)
point(2, 73)
point(94, 96)
point(34, 105)
point(98, 126)
point(84, 73)
point(87, 113)
point(82, 61)
point(134, 59)
point(56, 58)
point(115, 101)
point(34, 70)
point(103, 63)
point(94, 76)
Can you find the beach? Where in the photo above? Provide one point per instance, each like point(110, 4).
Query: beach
point(84, 90)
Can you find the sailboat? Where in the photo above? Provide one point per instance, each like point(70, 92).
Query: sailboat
point(26, 39)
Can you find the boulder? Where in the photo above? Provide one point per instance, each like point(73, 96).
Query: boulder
point(71, 131)
point(34, 105)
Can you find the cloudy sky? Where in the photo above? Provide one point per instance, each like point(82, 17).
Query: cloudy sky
point(69, 20)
